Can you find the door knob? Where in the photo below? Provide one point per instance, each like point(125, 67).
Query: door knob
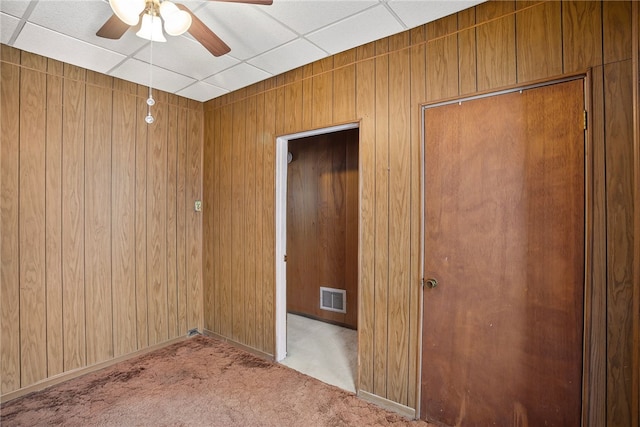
point(431, 283)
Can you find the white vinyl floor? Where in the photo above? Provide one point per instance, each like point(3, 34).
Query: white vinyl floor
point(323, 351)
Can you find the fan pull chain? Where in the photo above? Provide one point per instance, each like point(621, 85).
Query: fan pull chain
point(150, 101)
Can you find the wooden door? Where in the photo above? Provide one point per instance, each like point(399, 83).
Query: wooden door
point(504, 237)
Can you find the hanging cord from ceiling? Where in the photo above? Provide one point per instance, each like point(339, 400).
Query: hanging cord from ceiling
point(150, 101)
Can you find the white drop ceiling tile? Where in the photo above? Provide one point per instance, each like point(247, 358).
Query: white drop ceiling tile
point(14, 7)
point(201, 91)
point(292, 55)
point(8, 25)
point(365, 27)
point(186, 56)
point(417, 12)
point(137, 71)
point(81, 20)
point(237, 77)
point(304, 16)
point(42, 41)
point(246, 30)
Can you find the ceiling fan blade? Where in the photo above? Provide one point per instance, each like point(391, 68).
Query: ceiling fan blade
point(204, 35)
point(114, 28)
point(263, 2)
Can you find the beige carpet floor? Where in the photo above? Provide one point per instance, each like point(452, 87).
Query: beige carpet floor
point(198, 382)
point(323, 351)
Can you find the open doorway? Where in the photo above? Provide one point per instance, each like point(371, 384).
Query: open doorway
point(317, 197)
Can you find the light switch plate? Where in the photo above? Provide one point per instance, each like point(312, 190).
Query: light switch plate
point(198, 206)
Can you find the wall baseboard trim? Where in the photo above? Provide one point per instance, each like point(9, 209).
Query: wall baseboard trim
point(69, 375)
point(244, 347)
point(390, 405)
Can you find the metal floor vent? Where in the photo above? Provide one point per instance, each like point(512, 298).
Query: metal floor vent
point(333, 299)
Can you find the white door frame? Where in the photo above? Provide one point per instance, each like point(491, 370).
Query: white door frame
point(282, 148)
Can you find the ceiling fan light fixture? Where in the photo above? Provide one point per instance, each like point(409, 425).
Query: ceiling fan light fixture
point(176, 21)
point(128, 10)
point(151, 28)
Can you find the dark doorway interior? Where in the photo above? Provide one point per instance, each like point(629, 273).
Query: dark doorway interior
point(322, 227)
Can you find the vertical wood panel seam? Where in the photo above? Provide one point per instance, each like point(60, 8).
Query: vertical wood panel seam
point(46, 288)
point(257, 220)
point(84, 220)
point(165, 231)
point(562, 59)
point(635, 372)
point(62, 282)
point(187, 222)
point(61, 243)
point(231, 242)
point(333, 92)
point(166, 223)
point(262, 239)
point(475, 52)
point(254, 215)
point(113, 327)
point(312, 93)
point(19, 270)
point(243, 223)
point(260, 102)
point(375, 219)
point(457, 52)
point(602, 41)
point(200, 114)
point(515, 38)
point(388, 251)
point(175, 208)
point(181, 272)
point(135, 227)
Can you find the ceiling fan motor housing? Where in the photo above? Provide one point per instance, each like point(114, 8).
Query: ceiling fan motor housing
point(177, 19)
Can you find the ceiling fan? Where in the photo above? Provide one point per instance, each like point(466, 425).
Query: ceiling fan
point(177, 19)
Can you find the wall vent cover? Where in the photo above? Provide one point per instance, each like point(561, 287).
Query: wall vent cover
point(333, 299)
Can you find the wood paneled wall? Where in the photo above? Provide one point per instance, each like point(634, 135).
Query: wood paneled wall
point(101, 247)
point(381, 84)
point(322, 224)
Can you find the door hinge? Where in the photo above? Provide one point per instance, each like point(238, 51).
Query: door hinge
point(584, 116)
point(285, 258)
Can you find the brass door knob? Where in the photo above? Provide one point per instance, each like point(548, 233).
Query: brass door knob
point(431, 283)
